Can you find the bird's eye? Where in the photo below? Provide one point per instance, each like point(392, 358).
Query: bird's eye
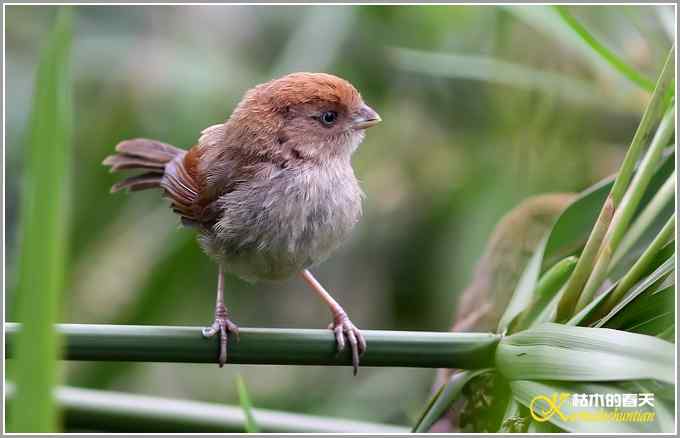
point(329, 117)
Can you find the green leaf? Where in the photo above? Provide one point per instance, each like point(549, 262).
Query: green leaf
point(617, 63)
point(571, 230)
point(246, 405)
point(561, 352)
point(444, 398)
point(524, 292)
point(525, 391)
point(640, 288)
point(590, 312)
point(44, 235)
point(567, 236)
point(651, 313)
point(547, 20)
point(644, 264)
point(655, 325)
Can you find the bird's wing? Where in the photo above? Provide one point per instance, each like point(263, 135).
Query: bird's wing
point(195, 181)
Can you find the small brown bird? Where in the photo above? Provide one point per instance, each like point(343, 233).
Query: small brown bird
point(271, 191)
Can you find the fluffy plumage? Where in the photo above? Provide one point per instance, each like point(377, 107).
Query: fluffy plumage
point(271, 191)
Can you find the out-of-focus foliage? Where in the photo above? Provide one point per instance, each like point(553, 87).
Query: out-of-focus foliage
point(44, 235)
point(459, 146)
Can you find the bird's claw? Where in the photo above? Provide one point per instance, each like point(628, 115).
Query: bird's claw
point(346, 332)
point(223, 326)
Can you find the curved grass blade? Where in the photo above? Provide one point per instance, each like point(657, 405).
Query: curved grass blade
point(617, 63)
point(444, 398)
point(561, 352)
point(660, 322)
point(643, 287)
point(43, 235)
point(250, 425)
point(590, 312)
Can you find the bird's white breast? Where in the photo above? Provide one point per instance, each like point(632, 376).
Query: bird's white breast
point(289, 220)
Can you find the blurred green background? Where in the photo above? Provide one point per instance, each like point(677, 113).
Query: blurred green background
point(482, 107)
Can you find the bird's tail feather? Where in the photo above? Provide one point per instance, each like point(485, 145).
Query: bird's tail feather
point(142, 154)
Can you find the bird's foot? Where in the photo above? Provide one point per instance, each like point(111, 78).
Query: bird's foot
point(346, 332)
point(223, 326)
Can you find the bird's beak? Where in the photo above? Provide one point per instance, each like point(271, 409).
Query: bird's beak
point(365, 118)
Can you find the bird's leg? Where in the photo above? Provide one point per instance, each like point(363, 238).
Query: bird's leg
point(222, 324)
point(343, 328)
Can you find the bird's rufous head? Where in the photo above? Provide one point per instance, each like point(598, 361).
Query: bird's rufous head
point(311, 115)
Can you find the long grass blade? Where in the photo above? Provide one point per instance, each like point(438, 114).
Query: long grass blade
point(43, 236)
point(642, 287)
point(488, 69)
point(629, 204)
point(587, 259)
point(588, 315)
point(250, 425)
point(612, 59)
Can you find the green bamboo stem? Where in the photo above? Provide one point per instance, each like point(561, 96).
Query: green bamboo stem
point(268, 346)
point(586, 262)
point(661, 198)
point(629, 203)
point(121, 412)
point(641, 266)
